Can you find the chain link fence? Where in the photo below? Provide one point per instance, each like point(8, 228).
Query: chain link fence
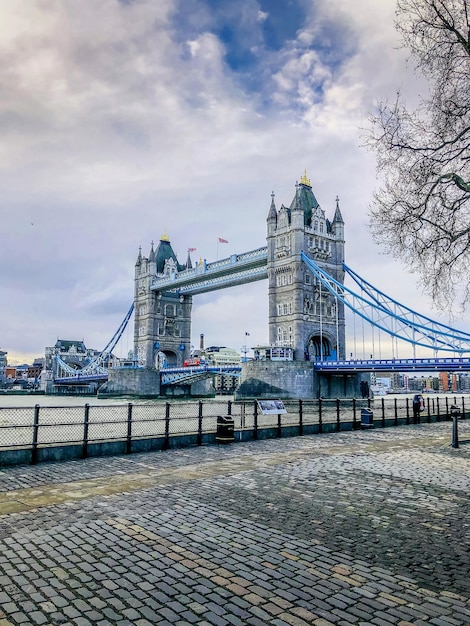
point(164, 424)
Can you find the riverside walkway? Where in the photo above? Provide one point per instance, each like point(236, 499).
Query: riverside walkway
point(363, 527)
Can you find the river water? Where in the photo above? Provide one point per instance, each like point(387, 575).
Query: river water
point(30, 400)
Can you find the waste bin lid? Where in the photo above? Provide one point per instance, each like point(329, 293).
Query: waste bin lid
point(221, 419)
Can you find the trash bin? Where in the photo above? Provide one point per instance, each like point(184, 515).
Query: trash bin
point(367, 418)
point(225, 426)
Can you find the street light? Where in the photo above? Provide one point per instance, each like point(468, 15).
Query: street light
point(244, 348)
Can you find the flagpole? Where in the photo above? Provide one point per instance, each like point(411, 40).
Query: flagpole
point(220, 240)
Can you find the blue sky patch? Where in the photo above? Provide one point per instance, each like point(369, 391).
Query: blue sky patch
point(260, 36)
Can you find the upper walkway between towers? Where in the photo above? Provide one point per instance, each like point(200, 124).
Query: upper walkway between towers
point(237, 269)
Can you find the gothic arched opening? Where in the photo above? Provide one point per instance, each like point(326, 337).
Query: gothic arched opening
point(318, 348)
point(165, 358)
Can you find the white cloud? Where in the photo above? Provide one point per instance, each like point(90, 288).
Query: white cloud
point(115, 130)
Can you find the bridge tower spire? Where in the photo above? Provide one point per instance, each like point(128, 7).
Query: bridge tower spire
point(302, 315)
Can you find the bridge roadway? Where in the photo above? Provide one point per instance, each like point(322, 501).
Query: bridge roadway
point(186, 375)
point(395, 365)
point(175, 375)
point(341, 529)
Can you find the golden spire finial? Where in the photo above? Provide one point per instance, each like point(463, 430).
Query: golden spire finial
point(305, 180)
point(164, 237)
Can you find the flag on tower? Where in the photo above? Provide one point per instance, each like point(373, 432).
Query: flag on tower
point(222, 240)
point(192, 249)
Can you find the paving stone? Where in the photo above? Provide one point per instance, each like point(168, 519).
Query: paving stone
point(343, 528)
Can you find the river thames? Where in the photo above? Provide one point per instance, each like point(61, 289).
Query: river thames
point(29, 400)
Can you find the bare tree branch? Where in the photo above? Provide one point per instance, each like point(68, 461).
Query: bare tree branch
point(421, 213)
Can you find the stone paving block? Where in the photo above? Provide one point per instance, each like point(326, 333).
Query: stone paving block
point(216, 620)
point(305, 519)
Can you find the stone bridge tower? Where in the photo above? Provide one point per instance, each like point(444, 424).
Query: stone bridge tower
point(162, 326)
point(302, 313)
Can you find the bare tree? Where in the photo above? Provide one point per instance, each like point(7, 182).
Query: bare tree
point(422, 211)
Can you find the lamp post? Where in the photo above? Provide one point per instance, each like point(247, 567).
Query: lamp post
point(244, 349)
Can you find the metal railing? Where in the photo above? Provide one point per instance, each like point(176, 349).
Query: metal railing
point(164, 424)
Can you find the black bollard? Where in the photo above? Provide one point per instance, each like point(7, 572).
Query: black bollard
point(455, 414)
point(455, 432)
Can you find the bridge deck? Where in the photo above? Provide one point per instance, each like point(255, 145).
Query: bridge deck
point(177, 375)
point(395, 365)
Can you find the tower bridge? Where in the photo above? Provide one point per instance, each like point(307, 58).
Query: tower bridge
point(303, 261)
point(312, 326)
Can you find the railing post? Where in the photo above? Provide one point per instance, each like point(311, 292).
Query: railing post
point(429, 410)
point(279, 429)
point(447, 409)
point(166, 441)
point(383, 413)
point(438, 418)
point(407, 411)
point(199, 425)
point(320, 423)
point(463, 408)
point(338, 420)
point(354, 414)
point(229, 407)
point(129, 429)
point(395, 409)
point(34, 449)
point(301, 418)
point(255, 420)
point(86, 421)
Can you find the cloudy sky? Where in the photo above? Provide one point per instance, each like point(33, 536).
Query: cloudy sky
point(125, 119)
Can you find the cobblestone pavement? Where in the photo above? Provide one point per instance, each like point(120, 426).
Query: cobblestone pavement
point(366, 527)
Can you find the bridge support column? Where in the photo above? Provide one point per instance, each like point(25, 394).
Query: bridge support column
point(296, 379)
point(142, 382)
point(341, 385)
